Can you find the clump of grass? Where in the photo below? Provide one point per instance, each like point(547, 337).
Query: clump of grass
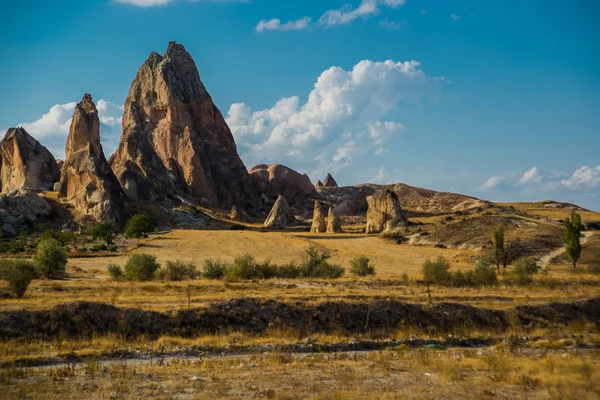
point(115, 271)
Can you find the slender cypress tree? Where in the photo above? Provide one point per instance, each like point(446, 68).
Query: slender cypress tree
point(572, 234)
point(498, 243)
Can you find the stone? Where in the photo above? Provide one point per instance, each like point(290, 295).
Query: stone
point(22, 209)
point(319, 185)
point(384, 212)
point(175, 139)
point(59, 163)
point(236, 215)
point(26, 164)
point(329, 182)
point(87, 181)
point(279, 180)
point(318, 222)
point(281, 215)
point(334, 224)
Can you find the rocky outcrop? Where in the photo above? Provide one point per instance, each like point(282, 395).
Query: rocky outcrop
point(20, 210)
point(329, 182)
point(384, 212)
point(236, 215)
point(319, 185)
point(278, 180)
point(175, 139)
point(87, 181)
point(334, 224)
point(318, 222)
point(281, 215)
point(59, 164)
point(26, 164)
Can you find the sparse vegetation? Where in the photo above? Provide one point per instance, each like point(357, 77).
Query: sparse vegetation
point(498, 246)
point(177, 271)
point(438, 272)
point(138, 226)
point(18, 274)
point(115, 271)
point(572, 233)
point(361, 266)
point(141, 267)
point(214, 269)
point(523, 270)
point(106, 232)
point(64, 238)
point(51, 258)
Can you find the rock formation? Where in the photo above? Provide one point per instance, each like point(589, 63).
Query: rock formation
point(87, 180)
point(318, 222)
point(26, 164)
point(319, 185)
point(280, 215)
point(175, 139)
point(334, 224)
point(20, 210)
point(59, 164)
point(279, 180)
point(329, 182)
point(238, 216)
point(384, 212)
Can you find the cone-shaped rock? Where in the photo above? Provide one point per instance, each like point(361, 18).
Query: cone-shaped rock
point(334, 224)
point(319, 185)
point(87, 180)
point(26, 164)
point(176, 139)
point(236, 215)
point(277, 179)
point(281, 215)
point(318, 222)
point(330, 182)
point(384, 212)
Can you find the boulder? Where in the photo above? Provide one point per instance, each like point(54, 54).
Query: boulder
point(318, 222)
point(384, 212)
point(279, 180)
point(334, 224)
point(26, 164)
point(281, 215)
point(175, 139)
point(87, 181)
point(329, 182)
point(20, 210)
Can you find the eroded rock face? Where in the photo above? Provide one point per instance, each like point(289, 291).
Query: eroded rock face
point(26, 164)
point(319, 185)
point(318, 222)
point(20, 210)
point(279, 180)
point(329, 182)
point(237, 215)
point(87, 181)
point(384, 212)
point(334, 224)
point(280, 215)
point(175, 139)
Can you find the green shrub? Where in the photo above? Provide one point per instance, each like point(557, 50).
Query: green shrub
point(105, 231)
point(437, 272)
point(405, 278)
point(360, 266)
point(18, 274)
point(177, 271)
point(141, 267)
point(484, 273)
point(265, 270)
point(115, 271)
point(288, 271)
point(99, 247)
point(112, 249)
point(51, 258)
point(138, 226)
point(214, 269)
point(16, 245)
point(316, 265)
point(328, 270)
point(64, 238)
point(523, 270)
point(243, 267)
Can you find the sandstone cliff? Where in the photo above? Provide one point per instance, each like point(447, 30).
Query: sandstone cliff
point(329, 182)
point(278, 180)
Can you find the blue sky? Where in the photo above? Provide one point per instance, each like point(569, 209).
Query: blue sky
point(494, 99)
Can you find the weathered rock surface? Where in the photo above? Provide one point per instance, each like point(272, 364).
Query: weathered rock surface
point(278, 180)
point(384, 212)
point(329, 182)
point(20, 210)
point(237, 215)
point(318, 222)
point(59, 163)
point(87, 181)
point(319, 185)
point(334, 224)
point(281, 215)
point(26, 164)
point(176, 140)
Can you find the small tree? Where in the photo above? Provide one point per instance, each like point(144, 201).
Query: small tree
point(18, 274)
point(51, 258)
point(105, 231)
point(572, 233)
point(141, 267)
point(360, 266)
point(138, 226)
point(498, 246)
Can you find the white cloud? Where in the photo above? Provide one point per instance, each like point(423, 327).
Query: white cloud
point(276, 25)
point(494, 183)
point(584, 178)
point(156, 3)
point(454, 17)
point(391, 25)
point(385, 177)
point(381, 131)
point(55, 122)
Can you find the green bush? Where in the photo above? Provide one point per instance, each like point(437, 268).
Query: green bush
point(115, 271)
point(214, 269)
point(18, 274)
point(64, 238)
point(523, 270)
point(360, 266)
point(288, 271)
point(105, 231)
point(265, 270)
point(99, 247)
point(243, 267)
point(16, 245)
point(177, 271)
point(141, 267)
point(316, 265)
point(437, 272)
point(484, 273)
point(327, 270)
point(51, 258)
point(138, 226)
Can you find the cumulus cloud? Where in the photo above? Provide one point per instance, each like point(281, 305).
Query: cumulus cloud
point(385, 177)
point(584, 178)
point(495, 183)
point(454, 17)
point(156, 3)
point(343, 117)
point(343, 16)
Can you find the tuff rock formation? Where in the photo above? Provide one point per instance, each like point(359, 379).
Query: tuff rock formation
point(87, 181)
point(26, 164)
point(236, 215)
point(281, 215)
point(334, 224)
point(319, 185)
point(384, 212)
point(279, 180)
point(318, 222)
point(20, 210)
point(59, 164)
point(329, 182)
point(175, 139)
